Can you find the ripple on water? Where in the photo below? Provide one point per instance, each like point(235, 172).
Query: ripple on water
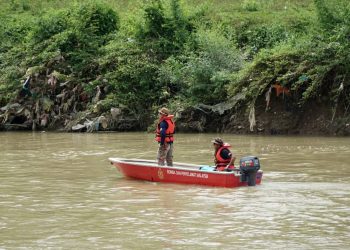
point(59, 191)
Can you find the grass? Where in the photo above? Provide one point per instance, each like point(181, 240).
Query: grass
point(217, 9)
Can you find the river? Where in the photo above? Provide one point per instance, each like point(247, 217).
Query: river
point(58, 191)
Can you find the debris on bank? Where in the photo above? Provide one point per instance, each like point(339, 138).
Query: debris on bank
point(53, 102)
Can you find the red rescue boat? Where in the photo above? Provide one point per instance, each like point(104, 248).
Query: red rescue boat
point(184, 173)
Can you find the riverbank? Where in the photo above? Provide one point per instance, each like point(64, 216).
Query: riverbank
point(278, 119)
point(250, 67)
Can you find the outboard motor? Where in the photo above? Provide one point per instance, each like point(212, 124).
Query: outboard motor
point(249, 166)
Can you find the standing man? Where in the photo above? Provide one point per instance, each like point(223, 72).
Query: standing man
point(224, 160)
point(165, 137)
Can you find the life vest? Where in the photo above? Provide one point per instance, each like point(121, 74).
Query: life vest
point(220, 162)
point(169, 133)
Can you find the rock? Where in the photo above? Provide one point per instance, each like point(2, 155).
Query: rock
point(115, 112)
point(103, 121)
point(78, 127)
point(44, 119)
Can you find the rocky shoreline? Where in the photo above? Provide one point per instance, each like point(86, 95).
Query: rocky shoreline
point(228, 117)
point(67, 107)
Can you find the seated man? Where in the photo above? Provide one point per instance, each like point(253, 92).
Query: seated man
point(224, 160)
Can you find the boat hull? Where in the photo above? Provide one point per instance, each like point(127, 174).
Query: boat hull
point(179, 173)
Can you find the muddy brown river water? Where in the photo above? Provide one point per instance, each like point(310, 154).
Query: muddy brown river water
point(58, 191)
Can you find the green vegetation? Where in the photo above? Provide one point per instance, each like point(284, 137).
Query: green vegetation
point(162, 52)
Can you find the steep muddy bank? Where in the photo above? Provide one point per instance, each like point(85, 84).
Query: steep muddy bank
point(72, 110)
point(281, 116)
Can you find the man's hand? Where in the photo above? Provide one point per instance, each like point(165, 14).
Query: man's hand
point(227, 167)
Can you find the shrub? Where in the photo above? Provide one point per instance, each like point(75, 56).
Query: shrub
point(165, 31)
point(66, 40)
point(256, 38)
point(131, 73)
point(250, 5)
point(76, 33)
point(203, 75)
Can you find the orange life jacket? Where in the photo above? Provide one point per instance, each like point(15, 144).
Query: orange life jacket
point(169, 133)
point(220, 162)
